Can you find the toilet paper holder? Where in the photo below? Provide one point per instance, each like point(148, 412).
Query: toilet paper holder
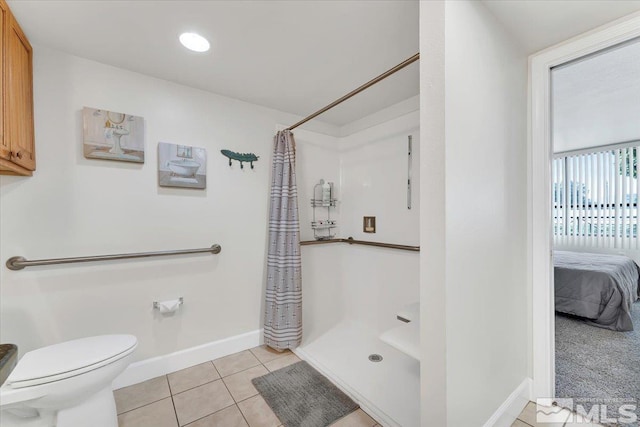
point(156, 304)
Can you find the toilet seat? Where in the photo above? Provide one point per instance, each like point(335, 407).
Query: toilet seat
point(69, 359)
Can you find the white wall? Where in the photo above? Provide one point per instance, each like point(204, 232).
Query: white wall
point(374, 167)
point(317, 157)
point(378, 282)
point(477, 170)
point(595, 99)
point(485, 109)
point(433, 361)
point(74, 206)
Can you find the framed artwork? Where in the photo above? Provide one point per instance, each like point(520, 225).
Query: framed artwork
point(182, 166)
point(108, 135)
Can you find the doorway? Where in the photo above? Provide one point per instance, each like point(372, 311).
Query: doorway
point(595, 138)
point(541, 220)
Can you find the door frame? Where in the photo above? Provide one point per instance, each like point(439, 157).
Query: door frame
point(539, 188)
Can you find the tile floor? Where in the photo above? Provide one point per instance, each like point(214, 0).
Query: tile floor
point(527, 418)
point(217, 393)
point(220, 394)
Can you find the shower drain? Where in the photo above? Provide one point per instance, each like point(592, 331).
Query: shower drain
point(375, 358)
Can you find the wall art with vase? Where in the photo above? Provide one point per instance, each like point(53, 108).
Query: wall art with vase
point(182, 166)
point(112, 136)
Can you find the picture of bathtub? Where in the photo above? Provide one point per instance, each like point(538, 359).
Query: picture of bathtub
point(182, 166)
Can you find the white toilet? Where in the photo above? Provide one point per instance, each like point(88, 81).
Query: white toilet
point(67, 384)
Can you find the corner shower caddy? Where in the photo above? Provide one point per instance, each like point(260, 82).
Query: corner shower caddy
point(323, 228)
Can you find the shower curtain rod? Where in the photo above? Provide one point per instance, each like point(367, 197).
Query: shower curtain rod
point(354, 92)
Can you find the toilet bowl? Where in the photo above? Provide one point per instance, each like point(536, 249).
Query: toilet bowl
point(67, 384)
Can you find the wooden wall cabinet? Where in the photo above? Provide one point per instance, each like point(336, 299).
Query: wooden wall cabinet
point(17, 138)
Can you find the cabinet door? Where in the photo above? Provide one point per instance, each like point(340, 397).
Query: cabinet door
point(5, 149)
point(19, 96)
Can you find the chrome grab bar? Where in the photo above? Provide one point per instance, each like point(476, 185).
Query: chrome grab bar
point(18, 262)
point(352, 241)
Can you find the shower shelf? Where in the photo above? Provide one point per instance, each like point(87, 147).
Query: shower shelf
point(315, 203)
point(322, 227)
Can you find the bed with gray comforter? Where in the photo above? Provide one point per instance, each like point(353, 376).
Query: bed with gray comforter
point(597, 287)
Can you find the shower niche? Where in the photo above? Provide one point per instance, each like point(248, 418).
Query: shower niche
point(322, 203)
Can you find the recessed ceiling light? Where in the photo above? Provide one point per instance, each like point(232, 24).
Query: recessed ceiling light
point(194, 42)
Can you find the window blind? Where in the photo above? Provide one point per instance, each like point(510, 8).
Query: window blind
point(595, 198)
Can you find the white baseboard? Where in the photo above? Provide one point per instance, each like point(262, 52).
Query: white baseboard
point(366, 405)
point(150, 368)
point(507, 413)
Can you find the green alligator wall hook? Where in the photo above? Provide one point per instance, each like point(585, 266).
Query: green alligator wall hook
point(241, 157)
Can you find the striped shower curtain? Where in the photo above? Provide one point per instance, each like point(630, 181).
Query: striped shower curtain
point(283, 313)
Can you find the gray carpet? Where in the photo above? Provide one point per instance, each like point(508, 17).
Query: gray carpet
point(300, 396)
point(593, 362)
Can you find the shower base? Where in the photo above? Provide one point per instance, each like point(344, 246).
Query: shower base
point(389, 390)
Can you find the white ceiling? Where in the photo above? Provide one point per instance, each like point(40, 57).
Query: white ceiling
point(596, 101)
point(294, 56)
point(538, 24)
